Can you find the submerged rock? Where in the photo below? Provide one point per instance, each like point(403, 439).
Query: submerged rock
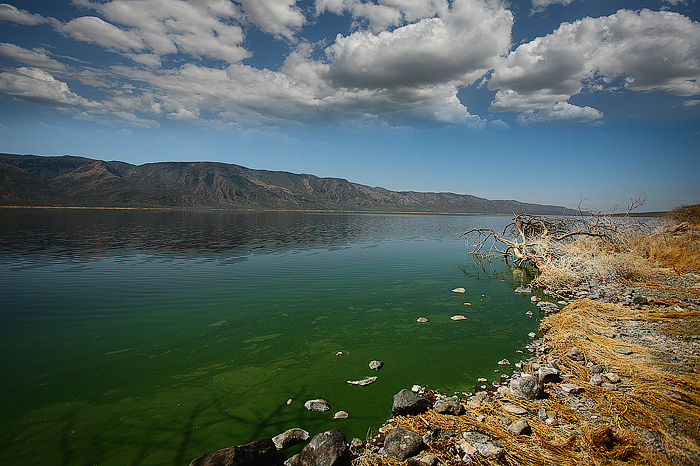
point(257, 452)
point(376, 365)
point(458, 317)
point(363, 382)
point(317, 405)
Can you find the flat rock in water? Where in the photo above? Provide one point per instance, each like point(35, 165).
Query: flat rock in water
point(317, 405)
point(363, 382)
point(376, 365)
point(524, 289)
point(459, 290)
point(504, 362)
point(458, 317)
point(421, 320)
point(532, 335)
point(290, 438)
point(341, 415)
point(548, 307)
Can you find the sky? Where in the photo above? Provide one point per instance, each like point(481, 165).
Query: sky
point(585, 103)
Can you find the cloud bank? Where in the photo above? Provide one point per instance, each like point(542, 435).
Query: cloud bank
point(403, 62)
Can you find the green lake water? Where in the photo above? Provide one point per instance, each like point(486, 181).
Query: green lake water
point(151, 338)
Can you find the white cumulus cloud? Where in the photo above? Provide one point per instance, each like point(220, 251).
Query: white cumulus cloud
point(34, 58)
point(648, 50)
point(281, 18)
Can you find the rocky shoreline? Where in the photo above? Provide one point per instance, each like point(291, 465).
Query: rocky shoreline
point(613, 379)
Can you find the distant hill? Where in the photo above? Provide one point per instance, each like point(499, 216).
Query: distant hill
point(77, 181)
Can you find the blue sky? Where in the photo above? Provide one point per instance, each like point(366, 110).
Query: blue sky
point(547, 101)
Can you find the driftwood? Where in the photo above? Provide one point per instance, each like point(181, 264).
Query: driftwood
point(535, 239)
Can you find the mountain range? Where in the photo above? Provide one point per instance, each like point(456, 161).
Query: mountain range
point(69, 181)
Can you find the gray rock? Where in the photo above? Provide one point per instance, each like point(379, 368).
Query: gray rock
point(449, 406)
point(357, 447)
point(490, 450)
point(290, 437)
point(542, 413)
point(402, 443)
point(407, 402)
point(524, 289)
point(575, 354)
point(253, 453)
point(597, 379)
point(317, 405)
point(475, 438)
point(526, 386)
point(376, 365)
point(341, 415)
point(520, 427)
point(326, 449)
point(549, 308)
point(612, 377)
point(426, 460)
point(608, 386)
point(640, 300)
point(596, 369)
point(294, 460)
point(571, 388)
point(548, 374)
point(514, 409)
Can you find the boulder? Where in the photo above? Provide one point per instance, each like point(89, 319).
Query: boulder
point(612, 377)
point(326, 449)
point(402, 443)
point(490, 450)
point(524, 289)
point(520, 427)
point(575, 354)
point(449, 406)
point(548, 374)
point(407, 402)
point(458, 318)
point(459, 290)
point(317, 405)
point(597, 379)
point(527, 386)
point(290, 438)
point(253, 453)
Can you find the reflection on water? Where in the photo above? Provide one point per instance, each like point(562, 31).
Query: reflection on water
point(152, 337)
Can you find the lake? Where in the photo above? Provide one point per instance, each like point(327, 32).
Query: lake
point(153, 337)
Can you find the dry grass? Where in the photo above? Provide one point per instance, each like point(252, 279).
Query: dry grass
point(633, 256)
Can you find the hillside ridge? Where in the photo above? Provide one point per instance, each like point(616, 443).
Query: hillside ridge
point(71, 181)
